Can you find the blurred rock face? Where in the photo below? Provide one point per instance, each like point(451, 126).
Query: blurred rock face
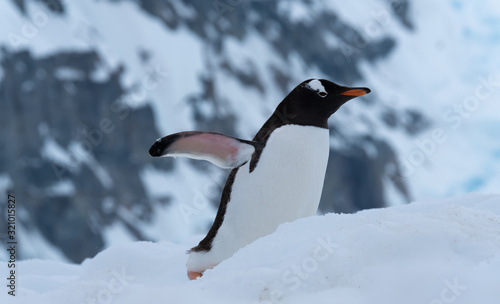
point(53, 102)
point(73, 149)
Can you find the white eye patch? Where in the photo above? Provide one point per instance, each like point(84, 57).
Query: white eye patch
point(317, 86)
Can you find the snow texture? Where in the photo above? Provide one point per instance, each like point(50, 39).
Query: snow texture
point(445, 251)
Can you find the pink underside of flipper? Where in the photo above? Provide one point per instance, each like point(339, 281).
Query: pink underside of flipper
point(222, 150)
point(219, 146)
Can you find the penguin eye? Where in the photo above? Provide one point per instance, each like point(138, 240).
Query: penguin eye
point(322, 94)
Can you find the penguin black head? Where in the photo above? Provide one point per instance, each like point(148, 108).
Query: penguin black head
point(313, 101)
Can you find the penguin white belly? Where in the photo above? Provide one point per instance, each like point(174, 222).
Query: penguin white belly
point(285, 185)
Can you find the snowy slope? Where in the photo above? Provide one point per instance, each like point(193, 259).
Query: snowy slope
point(444, 251)
point(435, 66)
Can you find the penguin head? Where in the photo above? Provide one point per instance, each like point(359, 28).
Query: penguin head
point(313, 101)
point(325, 96)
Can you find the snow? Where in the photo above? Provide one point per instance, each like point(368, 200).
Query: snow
point(34, 244)
point(98, 25)
point(41, 28)
point(253, 107)
point(297, 11)
point(190, 211)
point(72, 158)
point(61, 188)
point(442, 251)
point(69, 74)
point(184, 10)
point(52, 151)
point(5, 183)
point(446, 62)
point(117, 234)
point(82, 154)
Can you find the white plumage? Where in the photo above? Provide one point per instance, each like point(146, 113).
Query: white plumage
point(285, 185)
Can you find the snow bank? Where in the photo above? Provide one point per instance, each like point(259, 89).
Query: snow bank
point(445, 251)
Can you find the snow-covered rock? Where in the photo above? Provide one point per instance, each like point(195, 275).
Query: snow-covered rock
point(443, 251)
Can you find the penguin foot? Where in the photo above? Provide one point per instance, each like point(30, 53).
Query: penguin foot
point(194, 275)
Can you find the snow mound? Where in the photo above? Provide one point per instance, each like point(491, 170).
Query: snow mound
point(445, 251)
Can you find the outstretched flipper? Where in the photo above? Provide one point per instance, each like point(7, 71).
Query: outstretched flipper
point(221, 150)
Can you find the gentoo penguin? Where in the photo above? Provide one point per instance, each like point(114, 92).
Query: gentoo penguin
point(277, 177)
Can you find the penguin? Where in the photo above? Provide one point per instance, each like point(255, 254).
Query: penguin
point(277, 177)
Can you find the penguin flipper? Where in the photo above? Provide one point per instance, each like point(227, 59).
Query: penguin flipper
point(221, 150)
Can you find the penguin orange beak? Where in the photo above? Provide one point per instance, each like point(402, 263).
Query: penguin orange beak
point(355, 92)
